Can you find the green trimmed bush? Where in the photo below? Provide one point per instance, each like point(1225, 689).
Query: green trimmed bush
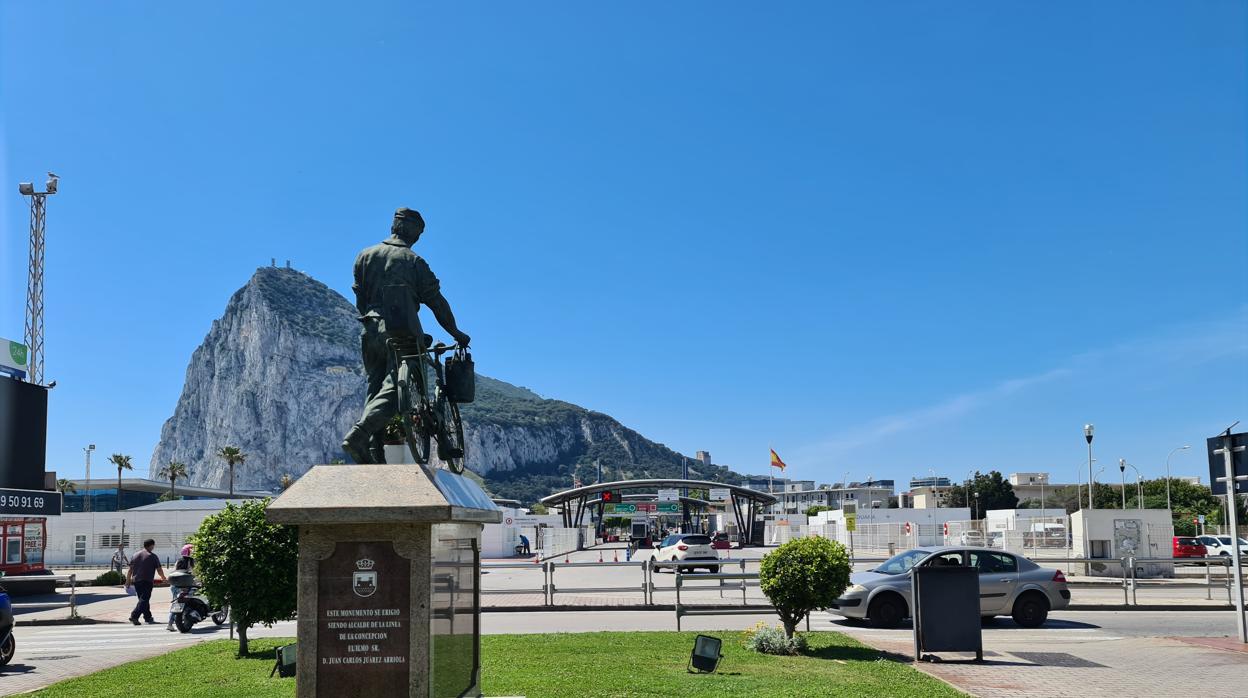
point(804, 575)
point(110, 578)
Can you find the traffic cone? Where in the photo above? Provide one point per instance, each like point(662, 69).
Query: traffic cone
point(599, 556)
point(617, 556)
point(536, 561)
point(566, 558)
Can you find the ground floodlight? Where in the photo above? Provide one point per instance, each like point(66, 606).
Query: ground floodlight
point(286, 660)
point(706, 655)
point(26, 188)
point(51, 185)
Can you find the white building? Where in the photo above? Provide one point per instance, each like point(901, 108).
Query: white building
point(91, 538)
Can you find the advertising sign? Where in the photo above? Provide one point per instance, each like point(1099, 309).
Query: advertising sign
point(14, 355)
point(29, 503)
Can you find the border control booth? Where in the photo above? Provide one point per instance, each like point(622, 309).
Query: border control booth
point(389, 580)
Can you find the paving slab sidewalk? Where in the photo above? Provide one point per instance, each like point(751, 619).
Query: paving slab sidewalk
point(1157, 667)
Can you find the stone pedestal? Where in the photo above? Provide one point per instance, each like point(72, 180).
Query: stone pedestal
point(389, 571)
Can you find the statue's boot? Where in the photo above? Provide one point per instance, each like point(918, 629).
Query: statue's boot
point(356, 445)
point(377, 449)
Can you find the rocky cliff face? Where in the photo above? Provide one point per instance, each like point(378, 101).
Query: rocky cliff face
point(279, 376)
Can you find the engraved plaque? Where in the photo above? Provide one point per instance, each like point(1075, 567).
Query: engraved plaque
point(363, 631)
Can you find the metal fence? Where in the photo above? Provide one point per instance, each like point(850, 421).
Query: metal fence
point(61, 580)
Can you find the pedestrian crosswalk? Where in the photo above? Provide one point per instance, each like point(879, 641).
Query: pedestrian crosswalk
point(34, 641)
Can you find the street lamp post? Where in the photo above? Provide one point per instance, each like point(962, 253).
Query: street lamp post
point(1180, 448)
point(1087, 434)
point(1139, 488)
point(935, 492)
point(1122, 468)
point(976, 510)
point(87, 499)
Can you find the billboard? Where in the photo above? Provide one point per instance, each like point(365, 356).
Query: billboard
point(23, 434)
point(14, 355)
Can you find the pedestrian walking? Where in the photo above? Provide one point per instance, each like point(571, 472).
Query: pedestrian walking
point(144, 567)
point(182, 578)
point(120, 560)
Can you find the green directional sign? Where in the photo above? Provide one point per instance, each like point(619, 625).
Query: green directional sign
point(669, 507)
point(619, 509)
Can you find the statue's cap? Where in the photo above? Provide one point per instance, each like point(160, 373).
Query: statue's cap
point(408, 214)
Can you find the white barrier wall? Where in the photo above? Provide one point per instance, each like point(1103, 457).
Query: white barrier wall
point(91, 538)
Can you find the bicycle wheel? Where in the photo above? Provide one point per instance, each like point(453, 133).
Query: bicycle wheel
point(411, 388)
point(451, 448)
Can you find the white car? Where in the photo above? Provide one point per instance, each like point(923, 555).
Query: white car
point(972, 538)
point(1221, 545)
point(681, 547)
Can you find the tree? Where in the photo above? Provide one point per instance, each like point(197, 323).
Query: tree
point(248, 563)
point(803, 575)
point(995, 492)
point(172, 472)
point(66, 486)
point(122, 463)
point(811, 511)
point(232, 457)
point(538, 509)
point(286, 482)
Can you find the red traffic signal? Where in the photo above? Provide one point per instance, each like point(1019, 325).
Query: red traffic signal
point(610, 497)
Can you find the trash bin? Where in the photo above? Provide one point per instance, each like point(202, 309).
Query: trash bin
point(946, 611)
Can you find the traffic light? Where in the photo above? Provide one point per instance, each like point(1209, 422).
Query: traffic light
point(609, 497)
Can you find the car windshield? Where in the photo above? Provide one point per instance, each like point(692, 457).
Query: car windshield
point(696, 540)
point(902, 562)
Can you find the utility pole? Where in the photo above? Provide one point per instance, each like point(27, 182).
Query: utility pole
point(34, 272)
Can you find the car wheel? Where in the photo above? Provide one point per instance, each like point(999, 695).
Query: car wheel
point(1031, 610)
point(8, 649)
point(886, 611)
point(713, 569)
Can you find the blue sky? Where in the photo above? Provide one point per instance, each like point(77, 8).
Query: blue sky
point(881, 239)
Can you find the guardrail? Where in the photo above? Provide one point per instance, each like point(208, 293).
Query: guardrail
point(742, 580)
point(70, 579)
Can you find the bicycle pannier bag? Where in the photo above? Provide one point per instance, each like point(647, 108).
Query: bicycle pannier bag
point(461, 380)
point(400, 312)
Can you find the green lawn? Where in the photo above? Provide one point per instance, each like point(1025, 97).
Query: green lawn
point(564, 664)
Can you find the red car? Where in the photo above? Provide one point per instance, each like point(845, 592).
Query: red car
point(1189, 546)
point(719, 541)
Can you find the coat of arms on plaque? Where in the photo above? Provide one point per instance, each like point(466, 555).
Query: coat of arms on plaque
point(364, 581)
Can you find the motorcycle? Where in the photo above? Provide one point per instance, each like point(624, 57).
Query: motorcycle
point(8, 645)
point(191, 607)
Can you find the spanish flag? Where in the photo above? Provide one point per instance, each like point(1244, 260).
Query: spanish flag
point(775, 460)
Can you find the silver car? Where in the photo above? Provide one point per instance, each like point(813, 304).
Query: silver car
point(1008, 584)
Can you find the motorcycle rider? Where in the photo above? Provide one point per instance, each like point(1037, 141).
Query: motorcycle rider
point(186, 564)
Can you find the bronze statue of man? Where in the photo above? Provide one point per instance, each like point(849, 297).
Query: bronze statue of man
point(390, 263)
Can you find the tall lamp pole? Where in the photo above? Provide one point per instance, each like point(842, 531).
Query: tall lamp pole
point(34, 286)
point(1139, 488)
point(1087, 434)
point(1180, 448)
point(1122, 468)
point(87, 499)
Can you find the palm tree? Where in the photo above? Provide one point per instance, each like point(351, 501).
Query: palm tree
point(66, 487)
point(172, 472)
point(232, 457)
point(286, 482)
point(122, 463)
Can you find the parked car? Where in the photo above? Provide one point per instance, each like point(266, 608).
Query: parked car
point(1008, 584)
point(720, 541)
point(1188, 546)
point(8, 645)
point(1221, 545)
point(974, 538)
point(682, 547)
